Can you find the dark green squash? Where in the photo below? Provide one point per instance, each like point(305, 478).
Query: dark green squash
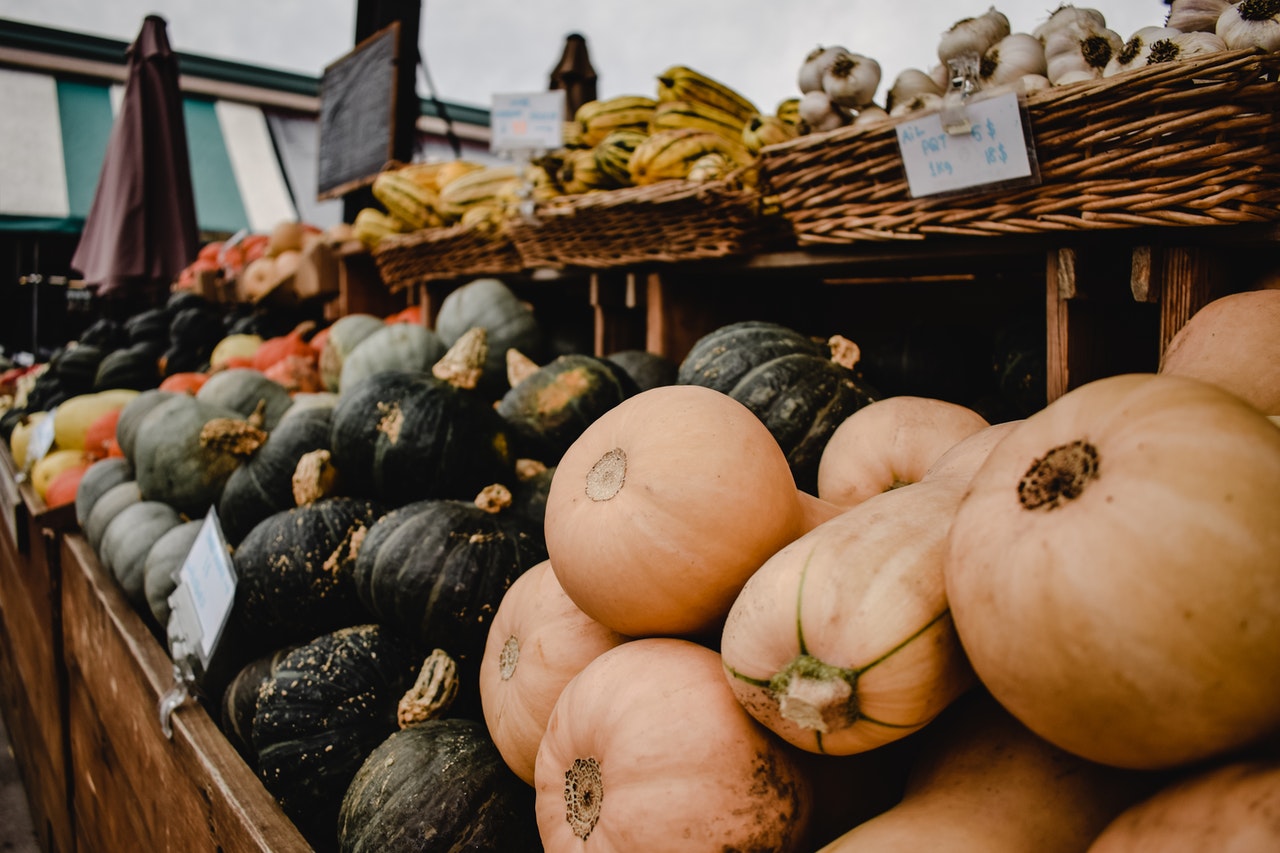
point(151, 325)
point(136, 366)
point(186, 449)
point(553, 405)
point(646, 369)
point(106, 508)
point(327, 706)
point(296, 572)
point(263, 485)
point(77, 366)
point(105, 333)
point(244, 390)
point(399, 437)
point(509, 323)
point(240, 700)
point(436, 787)
point(180, 300)
point(800, 388)
point(529, 494)
point(438, 577)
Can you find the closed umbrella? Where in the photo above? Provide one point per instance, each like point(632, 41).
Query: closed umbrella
point(141, 229)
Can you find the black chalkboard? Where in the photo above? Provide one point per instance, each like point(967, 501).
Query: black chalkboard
point(358, 114)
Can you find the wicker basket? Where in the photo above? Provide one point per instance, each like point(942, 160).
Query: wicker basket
point(1189, 143)
point(668, 221)
point(405, 260)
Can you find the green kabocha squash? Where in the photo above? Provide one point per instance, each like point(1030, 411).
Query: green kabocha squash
point(136, 367)
point(647, 369)
point(801, 389)
point(101, 476)
point(149, 327)
point(399, 437)
point(128, 539)
point(435, 787)
point(529, 494)
point(395, 346)
point(296, 572)
point(159, 570)
point(247, 391)
point(509, 323)
point(343, 336)
point(106, 334)
point(186, 449)
point(263, 485)
point(438, 577)
point(551, 406)
point(327, 706)
point(131, 417)
point(106, 508)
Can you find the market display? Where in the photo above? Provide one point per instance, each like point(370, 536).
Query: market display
point(495, 591)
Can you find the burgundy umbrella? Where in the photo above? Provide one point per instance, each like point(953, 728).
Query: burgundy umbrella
point(141, 229)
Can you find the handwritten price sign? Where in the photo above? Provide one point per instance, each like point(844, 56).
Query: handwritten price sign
point(527, 121)
point(995, 150)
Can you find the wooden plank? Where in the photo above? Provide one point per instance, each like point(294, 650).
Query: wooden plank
point(34, 680)
point(618, 312)
point(132, 788)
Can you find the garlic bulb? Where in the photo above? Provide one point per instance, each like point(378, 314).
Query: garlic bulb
point(820, 113)
point(1029, 83)
point(1184, 46)
point(815, 65)
point(1010, 58)
point(1251, 23)
point(973, 36)
point(869, 114)
point(852, 79)
point(920, 103)
point(909, 83)
point(941, 75)
point(1135, 50)
point(1195, 16)
point(1068, 15)
point(1074, 48)
point(1075, 75)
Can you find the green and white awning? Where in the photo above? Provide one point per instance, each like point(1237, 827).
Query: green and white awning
point(56, 138)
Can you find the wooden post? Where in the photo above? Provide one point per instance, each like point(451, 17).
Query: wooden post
point(615, 298)
point(1181, 279)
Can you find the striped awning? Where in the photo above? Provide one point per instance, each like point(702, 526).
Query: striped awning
point(243, 157)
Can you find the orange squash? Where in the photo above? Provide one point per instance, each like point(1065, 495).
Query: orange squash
point(101, 433)
point(184, 383)
point(1227, 807)
point(62, 488)
point(1232, 342)
point(538, 640)
point(983, 783)
point(842, 641)
point(646, 749)
point(966, 457)
point(293, 343)
point(664, 506)
point(1112, 571)
point(889, 443)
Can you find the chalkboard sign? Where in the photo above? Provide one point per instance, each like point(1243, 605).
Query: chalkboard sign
point(358, 114)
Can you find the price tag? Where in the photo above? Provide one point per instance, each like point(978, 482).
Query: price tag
point(996, 150)
point(41, 441)
point(205, 592)
point(532, 121)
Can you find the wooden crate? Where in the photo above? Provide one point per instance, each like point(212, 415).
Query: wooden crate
point(32, 679)
point(133, 789)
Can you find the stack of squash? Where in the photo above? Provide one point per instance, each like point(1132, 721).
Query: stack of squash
point(627, 604)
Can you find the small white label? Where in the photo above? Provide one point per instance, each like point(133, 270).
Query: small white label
point(41, 441)
point(532, 121)
point(206, 590)
point(994, 151)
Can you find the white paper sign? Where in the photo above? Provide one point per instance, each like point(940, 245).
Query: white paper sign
point(206, 590)
point(41, 442)
point(994, 151)
point(531, 121)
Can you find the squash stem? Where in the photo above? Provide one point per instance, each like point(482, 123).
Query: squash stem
point(816, 695)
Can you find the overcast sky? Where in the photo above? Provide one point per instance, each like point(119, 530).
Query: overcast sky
point(474, 48)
